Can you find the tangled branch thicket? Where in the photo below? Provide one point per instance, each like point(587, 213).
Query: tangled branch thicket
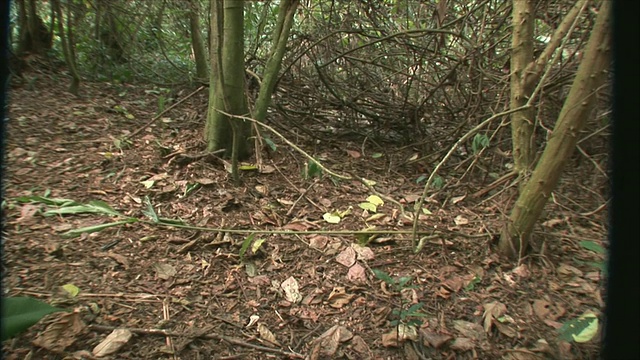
point(360, 70)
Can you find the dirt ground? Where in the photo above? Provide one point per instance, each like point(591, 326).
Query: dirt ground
point(186, 293)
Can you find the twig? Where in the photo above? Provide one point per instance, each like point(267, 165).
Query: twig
point(130, 136)
point(212, 336)
point(294, 146)
point(464, 138)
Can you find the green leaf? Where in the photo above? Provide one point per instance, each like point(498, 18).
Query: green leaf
point(413, 309)
point(480, 141)
point(247, 167)
point(472, 284)
point(437, 182)
point(403, 281)
point(245, 245)
point(331, 218)
point(375, 200)
point(590, 245)
point(362, 239)
point(71, 289)
point(313, 170)
point(376, 155)
point(368, 206)
point(369, 182)
point(45, 200)
point(581, 329)
point(96, 228)
point(149, 211)
point(383, 276)
point(20, 313)
point(270, 143)
point(256, 245)
point(93, 207)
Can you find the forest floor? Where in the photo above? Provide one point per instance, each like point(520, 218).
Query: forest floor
point(188, 293)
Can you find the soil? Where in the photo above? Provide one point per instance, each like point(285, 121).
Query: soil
point(212, 288)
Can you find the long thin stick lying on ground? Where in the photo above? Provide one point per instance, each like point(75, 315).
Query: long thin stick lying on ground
point(162, 113)
point(214, 336)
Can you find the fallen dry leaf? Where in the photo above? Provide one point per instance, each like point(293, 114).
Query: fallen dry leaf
point(363, 252)
point(291, 292)
point(357, 273)
point(469, 329)
point(112, 343)
point(327, 343)
point(347, 257)
point(61, 333)
point(462, 344)
point(492, 310)
point(267, 335)
point(435, 340)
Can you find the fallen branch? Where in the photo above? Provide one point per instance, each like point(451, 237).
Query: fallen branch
point(211, 336)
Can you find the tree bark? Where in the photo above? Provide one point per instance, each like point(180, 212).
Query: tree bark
point(577, 108)
point(67, 46)
point(226, 90)
point(281, 34)
point(197, 44)
point(521, 56)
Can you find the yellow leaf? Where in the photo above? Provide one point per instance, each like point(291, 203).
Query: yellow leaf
point(590, 331)
point(256, 245)
point(375, 217)
point(71, 289)
point(369, 182)
point(346, 212)
point(368, 206)
point(331, 218)
point(375, 200)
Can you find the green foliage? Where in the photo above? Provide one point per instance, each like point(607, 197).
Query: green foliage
point(590, 245)
point(311, 170)
point(20, 313)
point(472, 284)
point(92, 207)
point(255, 245)
point(437, 182)
point(410, 315)
point(600, 265)
point(581, 329)
point(480, 141)
point(270, 143)
point(245, 245)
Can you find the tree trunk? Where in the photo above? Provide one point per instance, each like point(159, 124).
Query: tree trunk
point(67, 46)
point(34, 36)
point(197, 44)
point(281, 34)
point(226, 91)
point(521, 56)
point(577, 108)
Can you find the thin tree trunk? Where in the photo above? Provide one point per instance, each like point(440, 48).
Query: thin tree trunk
point(521, 56)
point(67, 47)
point(577, 108)
point(227, 82)
point(281, 35)
point(199, 52)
